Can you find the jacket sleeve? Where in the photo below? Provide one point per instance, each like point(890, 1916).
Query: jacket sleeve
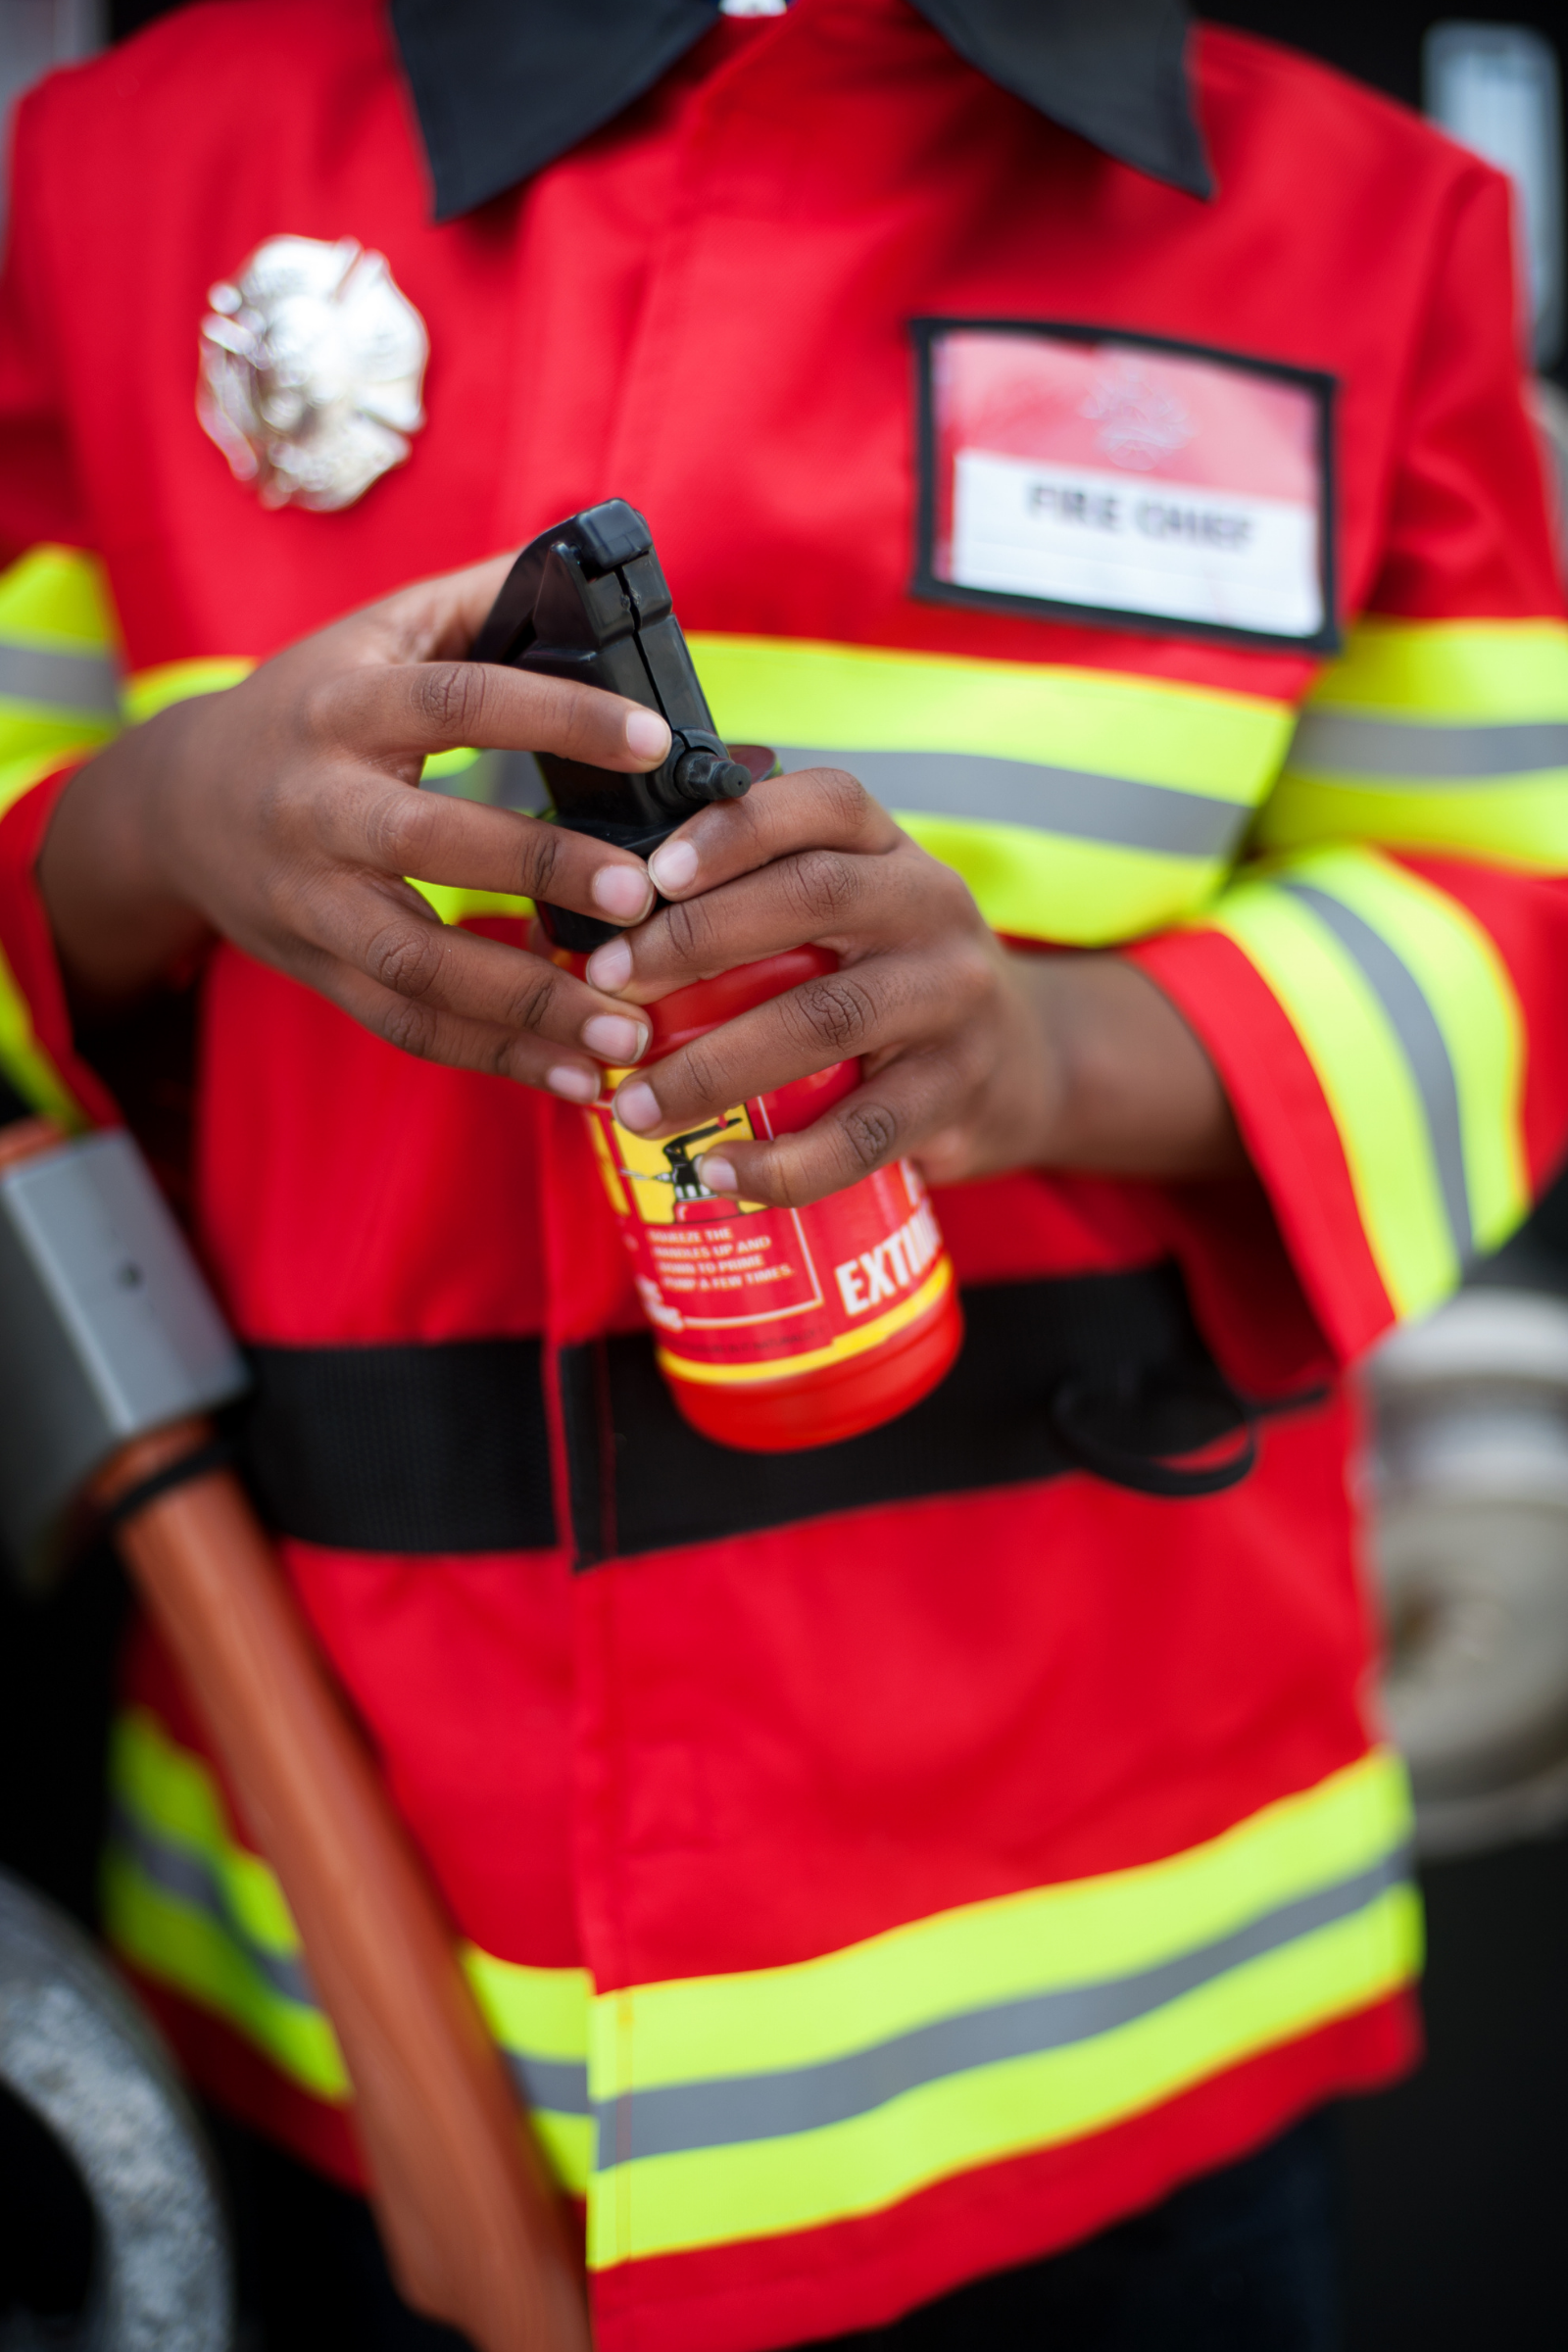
point(1382, 983)
point(59, 659)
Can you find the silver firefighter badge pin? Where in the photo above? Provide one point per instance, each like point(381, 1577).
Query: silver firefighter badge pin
point(312, 364)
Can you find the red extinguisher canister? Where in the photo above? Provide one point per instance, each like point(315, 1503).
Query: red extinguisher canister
point(776, 1328)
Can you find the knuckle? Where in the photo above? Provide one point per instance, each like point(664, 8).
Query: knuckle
point(821, 883)
point(451, 697)
point(542, 847)
point(687, 927)
point(849, 802)
point(695, 1075)
point(396, 825)
point(872, 1133)
point(833, 1011)
point(533, 1000)
point(409, 1026)
point(406, 958)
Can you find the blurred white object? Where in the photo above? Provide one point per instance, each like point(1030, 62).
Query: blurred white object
point(312, 367)
point(36, 34)
point(1471, 1543)
point(1494, 89)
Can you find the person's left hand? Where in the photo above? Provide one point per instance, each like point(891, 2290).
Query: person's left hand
point(974, 1059)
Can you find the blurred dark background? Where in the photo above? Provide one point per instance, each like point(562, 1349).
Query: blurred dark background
point(1457, 2182)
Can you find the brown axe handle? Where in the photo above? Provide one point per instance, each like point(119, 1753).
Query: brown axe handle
point(474, 2229)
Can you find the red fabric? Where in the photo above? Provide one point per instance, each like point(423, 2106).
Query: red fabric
point(751, 1752)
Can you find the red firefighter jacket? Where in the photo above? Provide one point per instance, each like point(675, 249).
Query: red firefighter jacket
point(886, 1865)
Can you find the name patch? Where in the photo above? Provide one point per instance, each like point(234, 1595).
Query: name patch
point(1069, 473)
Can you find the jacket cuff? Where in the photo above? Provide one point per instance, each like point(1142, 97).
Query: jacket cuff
point(1285, 1126)
point(38, 1057)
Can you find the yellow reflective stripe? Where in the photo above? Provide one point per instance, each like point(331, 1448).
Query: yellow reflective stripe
point(1410, 1020)
point(56, 599)
point(1078, 894)
point(1004, 1948)
point(768, 2187)
point(872, 698)
point(154, 690)
point(176, 1795)
point(1446, 736)
point(201, 1913)
point(1505, 669)
point(539, 2016)
point(1132, 777)
point(1257, 1935)
point(28, 1068)
point(1523, 823)
point(180, 1944)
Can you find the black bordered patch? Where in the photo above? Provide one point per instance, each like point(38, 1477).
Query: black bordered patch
point(1087, 473)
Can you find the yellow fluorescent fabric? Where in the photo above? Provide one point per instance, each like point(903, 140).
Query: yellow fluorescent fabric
point(1445, 736)
point(765, 2188)
point(59, 673)
point(1415, 1035)
point(1079, 894)
point(700, 2026)
point(1504, 669)
point(791, 690)
point(153, 690)
point(197, 1911)
point(1079, 806)
point(1289, 1920)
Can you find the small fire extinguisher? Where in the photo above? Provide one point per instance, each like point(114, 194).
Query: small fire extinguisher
point(776, 1328)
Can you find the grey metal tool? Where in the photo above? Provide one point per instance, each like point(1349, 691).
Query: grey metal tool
point(109, 1332)
point(76, 2051)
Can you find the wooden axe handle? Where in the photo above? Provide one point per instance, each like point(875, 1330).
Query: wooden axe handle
point(474, 2231)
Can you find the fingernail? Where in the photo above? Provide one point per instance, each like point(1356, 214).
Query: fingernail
point(647, 734)
point(572, 1082)
point(622, 890)
point(637, 1106)
point(610, 966)
point(718, 1174)
point(614, 1038)
point(673, 867)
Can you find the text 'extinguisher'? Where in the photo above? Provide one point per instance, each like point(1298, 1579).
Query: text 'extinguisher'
point(776, 1328)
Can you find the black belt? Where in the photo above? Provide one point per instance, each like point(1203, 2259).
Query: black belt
point(445, 1447)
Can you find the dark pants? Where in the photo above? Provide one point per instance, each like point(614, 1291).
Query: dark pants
point(1244, 2260)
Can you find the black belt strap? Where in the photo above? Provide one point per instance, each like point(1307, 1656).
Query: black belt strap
point(444, 1447)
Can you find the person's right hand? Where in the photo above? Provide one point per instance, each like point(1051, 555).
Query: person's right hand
point(285, 812)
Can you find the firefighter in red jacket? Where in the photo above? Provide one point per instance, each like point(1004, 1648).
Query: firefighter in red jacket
point(1092, 450)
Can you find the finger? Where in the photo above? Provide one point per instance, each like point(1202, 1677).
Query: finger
point(433, 1035)
point(819, 807)
point(389, 936)
point(386, 826)
point(886, 1001)
point(835, 897)
point(884, 1120)
point(383, 711)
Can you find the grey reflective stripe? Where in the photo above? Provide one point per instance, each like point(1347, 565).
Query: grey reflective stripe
point(84, 682)
point(751, 2107)
point(1072, 801)
point(560, 2084)
point(183, 1874)
point(1415, 1024)
point(1402, 751)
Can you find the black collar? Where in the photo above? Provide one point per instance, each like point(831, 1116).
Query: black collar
point(504, 87)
